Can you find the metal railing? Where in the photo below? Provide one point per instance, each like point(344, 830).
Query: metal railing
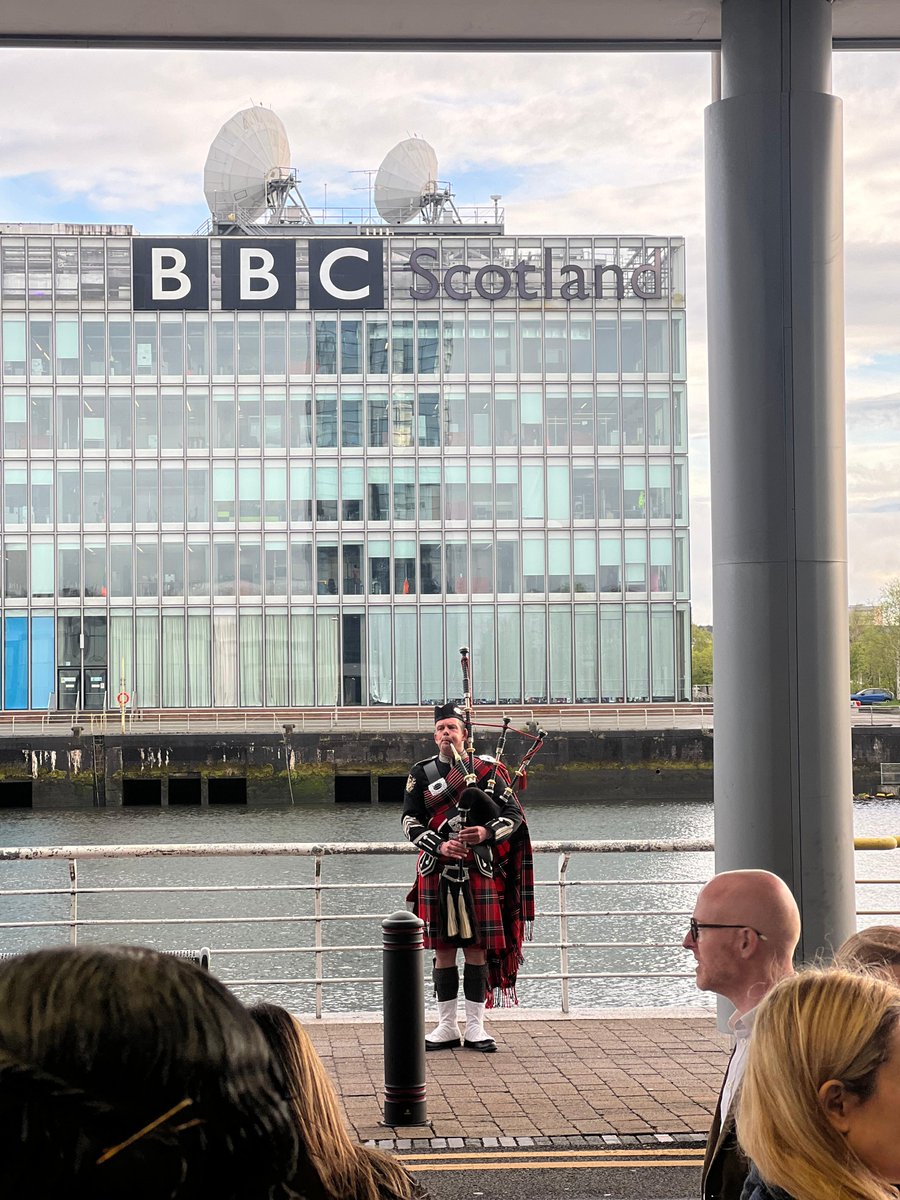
point(71, 922)
point(390, 718)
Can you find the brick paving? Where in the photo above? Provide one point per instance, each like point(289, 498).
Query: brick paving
point(555, 1080)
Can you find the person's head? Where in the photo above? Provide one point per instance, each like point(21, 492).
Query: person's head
point(874, 949)
point(449, 728)
point(344, 1168)
point(743, 933)
point(126, 1073)
point(818, 1107)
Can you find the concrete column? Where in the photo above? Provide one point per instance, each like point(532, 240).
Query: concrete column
point(783, 785)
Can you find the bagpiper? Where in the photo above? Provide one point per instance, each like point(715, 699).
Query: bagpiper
point(474, 886)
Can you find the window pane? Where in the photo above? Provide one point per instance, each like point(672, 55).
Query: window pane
point(198, 568)
point(560, 655)
point(274, 358)
point(197, 346)
point(509, 656)
point(351, 346)
point(276, 647)
point(173, 568)
point(351, 416)
point(248, 345)
point(637, 654)
point(535, 639)
point(611, 661)
point(429, 422)
point(198, 660)
point(298, 344)
point(587, 681)
point(251, 652)
point(146, 565)
point(173, 660)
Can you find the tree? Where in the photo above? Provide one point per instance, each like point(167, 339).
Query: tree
point(701, 656)
point(890, 625)
point(871, 659)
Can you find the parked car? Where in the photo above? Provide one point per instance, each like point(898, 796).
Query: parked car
point(872, 696)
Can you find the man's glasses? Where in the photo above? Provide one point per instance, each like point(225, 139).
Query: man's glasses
point(696, 926)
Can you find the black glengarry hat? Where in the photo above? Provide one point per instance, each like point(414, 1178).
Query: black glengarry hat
point(449, 711)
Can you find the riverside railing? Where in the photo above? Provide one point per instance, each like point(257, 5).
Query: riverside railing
point(394, 719)
point(73, 920)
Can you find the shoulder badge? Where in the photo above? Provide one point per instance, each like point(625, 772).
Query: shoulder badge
point(410, 784)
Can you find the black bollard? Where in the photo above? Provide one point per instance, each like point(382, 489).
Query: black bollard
point(404, 1020)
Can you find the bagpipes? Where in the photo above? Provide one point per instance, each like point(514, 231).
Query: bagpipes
point(479, 805)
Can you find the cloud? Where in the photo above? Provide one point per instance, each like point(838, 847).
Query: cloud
point(575, 143)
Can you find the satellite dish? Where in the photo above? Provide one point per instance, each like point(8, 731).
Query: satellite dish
point(405, 181)
point(247, 153)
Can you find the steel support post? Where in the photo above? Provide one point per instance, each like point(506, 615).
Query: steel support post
point(783, 787)
point(404, 1020)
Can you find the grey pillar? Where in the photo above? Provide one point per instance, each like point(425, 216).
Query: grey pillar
point(783, 779)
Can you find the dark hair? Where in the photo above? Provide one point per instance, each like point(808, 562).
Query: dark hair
point(126, 1073)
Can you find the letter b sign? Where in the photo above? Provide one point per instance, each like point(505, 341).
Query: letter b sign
point(259, 274)
point(346, 274)
point(171, 274)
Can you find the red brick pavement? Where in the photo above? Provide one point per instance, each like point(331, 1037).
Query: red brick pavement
point(554, 1077)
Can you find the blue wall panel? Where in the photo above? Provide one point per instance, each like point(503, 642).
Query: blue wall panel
point(42, 662)
point(15, 680)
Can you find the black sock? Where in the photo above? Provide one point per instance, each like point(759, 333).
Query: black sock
point(475, 981)
point(446, 982)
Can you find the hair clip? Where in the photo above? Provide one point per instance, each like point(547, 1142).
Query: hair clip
point(114, 1150)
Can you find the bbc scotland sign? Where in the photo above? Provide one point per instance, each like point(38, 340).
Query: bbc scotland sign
point(173, 274)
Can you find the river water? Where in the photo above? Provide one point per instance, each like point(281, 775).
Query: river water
point(650, 904)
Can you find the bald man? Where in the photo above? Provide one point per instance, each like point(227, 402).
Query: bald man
point(743, 934)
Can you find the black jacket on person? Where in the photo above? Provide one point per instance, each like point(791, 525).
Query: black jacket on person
point(724, 1165)
point(755, 1188)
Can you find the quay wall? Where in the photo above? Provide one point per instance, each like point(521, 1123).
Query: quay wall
point(264, 770)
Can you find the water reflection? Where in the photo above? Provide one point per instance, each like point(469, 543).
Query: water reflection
point(642, 898)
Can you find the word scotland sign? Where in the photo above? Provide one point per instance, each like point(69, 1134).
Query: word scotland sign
point(174, 274)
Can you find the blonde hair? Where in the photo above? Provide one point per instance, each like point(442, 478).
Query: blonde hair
point(346, 1170)
point(812, 1027)
point(876, 948)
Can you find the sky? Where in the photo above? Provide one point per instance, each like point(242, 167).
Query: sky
point(574, 143)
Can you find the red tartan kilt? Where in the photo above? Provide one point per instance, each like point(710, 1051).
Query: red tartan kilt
point(486, 897)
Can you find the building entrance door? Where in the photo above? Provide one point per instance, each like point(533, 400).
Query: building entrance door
point(68, 689)
point(95, 688)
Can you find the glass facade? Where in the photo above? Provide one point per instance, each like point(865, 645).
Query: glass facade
point(268, 508)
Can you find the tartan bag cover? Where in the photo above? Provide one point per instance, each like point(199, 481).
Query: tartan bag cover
point(504, 905)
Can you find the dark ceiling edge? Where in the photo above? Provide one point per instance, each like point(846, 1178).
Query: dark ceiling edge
point(421, 45)
point(454, 45)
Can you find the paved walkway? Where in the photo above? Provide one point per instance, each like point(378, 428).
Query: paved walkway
point(578, 1080)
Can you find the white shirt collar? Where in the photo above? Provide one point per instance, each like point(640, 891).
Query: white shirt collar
point(741, 1024)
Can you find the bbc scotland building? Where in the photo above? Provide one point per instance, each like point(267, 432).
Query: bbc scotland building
point(303, 470)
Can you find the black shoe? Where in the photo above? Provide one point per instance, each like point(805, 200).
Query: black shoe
point(485, 1045)
point(450, 1044)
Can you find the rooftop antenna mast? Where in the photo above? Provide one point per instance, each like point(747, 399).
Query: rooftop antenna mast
point(370, 173)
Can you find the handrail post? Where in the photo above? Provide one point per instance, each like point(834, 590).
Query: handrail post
point(317, 908)
point(404, 1020)
point(73, 901)
point(563, 933)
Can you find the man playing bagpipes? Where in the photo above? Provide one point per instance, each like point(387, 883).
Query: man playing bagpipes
point(475, 882)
